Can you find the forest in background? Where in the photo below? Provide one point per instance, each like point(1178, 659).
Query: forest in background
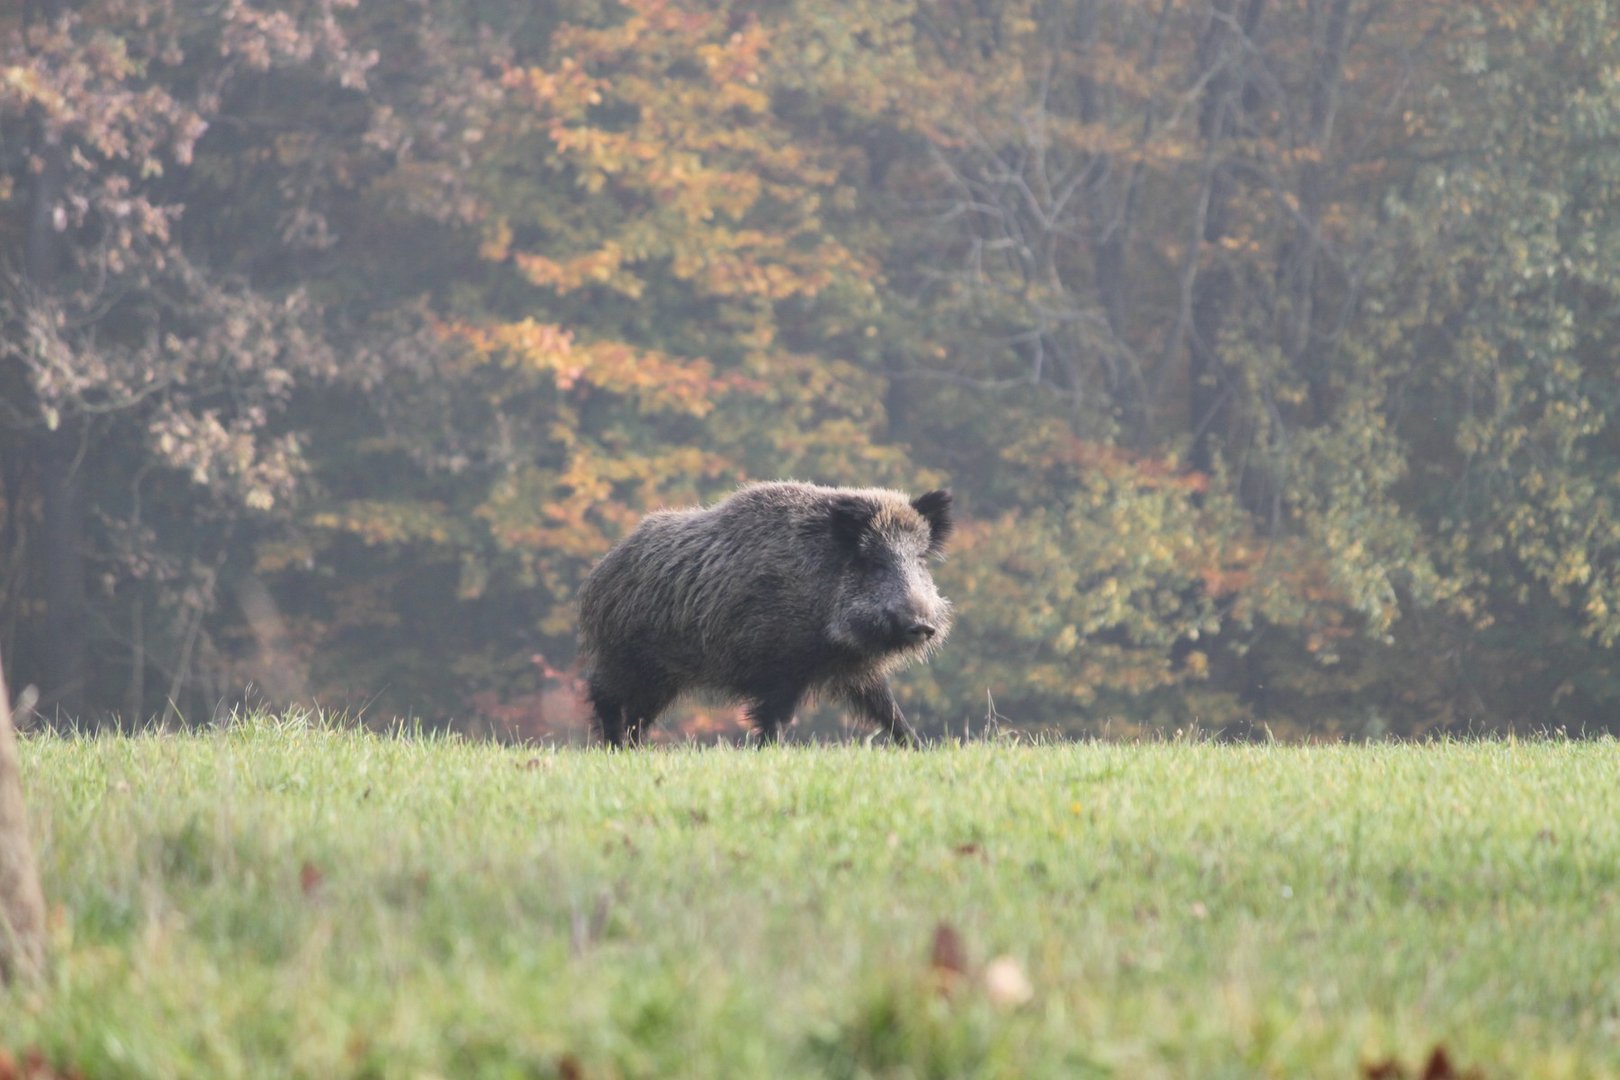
point(1268, 345)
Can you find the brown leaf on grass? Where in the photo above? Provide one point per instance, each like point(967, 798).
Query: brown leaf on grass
point(310, 877)
point(569, 1068)
point(33, 1066)
point(948, 958)
point(972, 850)
point(1438, 1067)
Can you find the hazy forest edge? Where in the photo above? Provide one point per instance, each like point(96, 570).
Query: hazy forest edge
point(1268, 346)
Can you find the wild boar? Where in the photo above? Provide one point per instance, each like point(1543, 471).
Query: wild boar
point(777, 592)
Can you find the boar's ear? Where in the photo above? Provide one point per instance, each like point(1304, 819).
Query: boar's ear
point(850, 515)
point(935, 506)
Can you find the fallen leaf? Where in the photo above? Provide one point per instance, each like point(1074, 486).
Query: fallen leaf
point(310, 877)
point(1438, 1067)
point(33, 1066)
point(948, 958)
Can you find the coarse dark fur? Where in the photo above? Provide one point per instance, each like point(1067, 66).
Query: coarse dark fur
point(781, 590)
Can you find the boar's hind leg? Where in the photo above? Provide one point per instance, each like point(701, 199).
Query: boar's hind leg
point(622, 713)
point(874, 701)
point(607, 713)
point(642, 709)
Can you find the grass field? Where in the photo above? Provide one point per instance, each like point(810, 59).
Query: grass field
point(280, 899)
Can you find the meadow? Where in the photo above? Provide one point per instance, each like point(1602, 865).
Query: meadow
point(285, 898)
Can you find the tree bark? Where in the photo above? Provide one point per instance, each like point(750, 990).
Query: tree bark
point(65, 613)
point(1301, 259)
point(22, 903)
point(1210, 384)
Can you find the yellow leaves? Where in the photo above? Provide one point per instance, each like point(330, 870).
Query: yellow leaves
point(734, 67)
point(272, 556)
point(575, 510)
point(697, 194)
point(376, 522)
point(1569, 569)
point(658, 381)
point(497, 241)
point(23, 83)
point(567, 90)
point(1238, 244)
point(603, 266)
point(1124, 73)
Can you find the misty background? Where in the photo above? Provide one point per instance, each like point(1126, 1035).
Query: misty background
point(1268, 345)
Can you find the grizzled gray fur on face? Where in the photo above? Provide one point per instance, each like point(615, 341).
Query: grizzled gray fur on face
point(781, 590)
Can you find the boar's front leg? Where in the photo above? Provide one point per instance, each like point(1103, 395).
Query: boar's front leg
point(874, 701)
point(771, 707)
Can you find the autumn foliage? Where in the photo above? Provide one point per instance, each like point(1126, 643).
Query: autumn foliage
point(1267, 345)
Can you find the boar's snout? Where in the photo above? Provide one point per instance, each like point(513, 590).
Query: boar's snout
point(908, 626)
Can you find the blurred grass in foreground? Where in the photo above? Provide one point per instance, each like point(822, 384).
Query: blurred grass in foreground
point(286, 898)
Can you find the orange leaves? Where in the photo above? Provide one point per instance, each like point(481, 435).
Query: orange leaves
point(688, 217)
point(656, 381)
point(568, 89)
point(377, 522)
point(592, 497)
point(601, 267)
point(737, 63)
point(689, 159)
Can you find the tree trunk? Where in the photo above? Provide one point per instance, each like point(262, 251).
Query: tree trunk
point(22, 904)
point(65, 613)
point(1210, 384)
point(1299, 261)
